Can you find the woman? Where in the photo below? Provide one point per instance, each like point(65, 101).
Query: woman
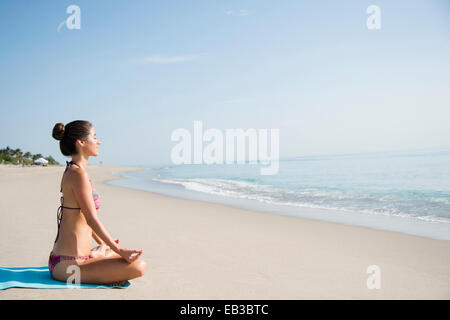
point(78, 221)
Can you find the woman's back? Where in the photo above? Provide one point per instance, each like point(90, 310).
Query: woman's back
point(74, 234)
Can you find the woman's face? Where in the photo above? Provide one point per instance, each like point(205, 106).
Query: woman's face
point(90, 147)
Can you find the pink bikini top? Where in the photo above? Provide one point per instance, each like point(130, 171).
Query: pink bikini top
point(59, 213)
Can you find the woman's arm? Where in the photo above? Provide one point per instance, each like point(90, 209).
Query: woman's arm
point(97, 238)
point(83, 193)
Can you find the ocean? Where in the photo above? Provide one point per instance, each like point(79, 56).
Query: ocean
point(407, 192)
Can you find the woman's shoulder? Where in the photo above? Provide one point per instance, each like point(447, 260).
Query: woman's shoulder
point(78, 175)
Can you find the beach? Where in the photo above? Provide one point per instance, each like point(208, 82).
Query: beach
point(200, 250)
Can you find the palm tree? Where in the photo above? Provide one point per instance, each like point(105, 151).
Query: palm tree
point(51, 160)
point(27, 155)
point(37, 156)
point(18, 153)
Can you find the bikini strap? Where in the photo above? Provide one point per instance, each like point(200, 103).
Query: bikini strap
point(68, 163)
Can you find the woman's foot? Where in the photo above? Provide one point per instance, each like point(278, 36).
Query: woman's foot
point(117, 283)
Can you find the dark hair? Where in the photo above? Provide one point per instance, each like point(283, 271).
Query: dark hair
point(68, 135)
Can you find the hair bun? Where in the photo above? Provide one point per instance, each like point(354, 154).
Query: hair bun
point(58, 131)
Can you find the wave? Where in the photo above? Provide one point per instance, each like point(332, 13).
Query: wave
point(364, 203)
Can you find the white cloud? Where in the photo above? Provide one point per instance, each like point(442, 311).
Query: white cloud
point(165, 59)
point(240, 13)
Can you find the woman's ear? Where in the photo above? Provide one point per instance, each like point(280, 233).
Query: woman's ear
point(80, 143)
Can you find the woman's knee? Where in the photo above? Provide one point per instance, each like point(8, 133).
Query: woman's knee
point(139, 266)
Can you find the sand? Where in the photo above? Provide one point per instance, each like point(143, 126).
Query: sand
point(199, 250)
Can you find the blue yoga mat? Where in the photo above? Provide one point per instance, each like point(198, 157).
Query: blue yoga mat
point(40, 278)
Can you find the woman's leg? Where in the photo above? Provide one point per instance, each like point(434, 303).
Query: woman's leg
point(101, 270)
point(111, 269)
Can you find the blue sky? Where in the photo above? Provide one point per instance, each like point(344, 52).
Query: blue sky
point(140, 69)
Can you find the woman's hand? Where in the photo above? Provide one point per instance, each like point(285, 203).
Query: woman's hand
point(102, 250)
point(130, 255)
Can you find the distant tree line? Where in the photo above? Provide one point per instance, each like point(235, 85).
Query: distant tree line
point(16, 156)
